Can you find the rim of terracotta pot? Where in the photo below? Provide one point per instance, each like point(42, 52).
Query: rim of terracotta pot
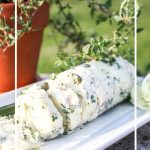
point(12, 5)
point(7, 4)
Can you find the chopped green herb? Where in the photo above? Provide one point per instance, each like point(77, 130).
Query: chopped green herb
point(77, 78)
point(93, 99)
point(67, 118)
point(54, 117)
point(17, 121)
point(87, 65)
point(117, 65)
point(63, 105)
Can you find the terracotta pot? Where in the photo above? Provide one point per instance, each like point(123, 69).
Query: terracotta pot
point(7, 58)
point(8, 11)
point(7, 69)
point(28, 49)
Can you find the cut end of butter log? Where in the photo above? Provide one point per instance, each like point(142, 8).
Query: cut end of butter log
point(69, 106)
point(36, 110)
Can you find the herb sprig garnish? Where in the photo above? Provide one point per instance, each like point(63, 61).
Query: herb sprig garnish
point(26, 11)
point(105, 48)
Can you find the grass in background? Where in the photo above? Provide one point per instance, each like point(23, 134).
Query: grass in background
point(82, 14)
point(143, 46)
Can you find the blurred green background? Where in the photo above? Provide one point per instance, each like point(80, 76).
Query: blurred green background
point(143, 39)
point(51, 38)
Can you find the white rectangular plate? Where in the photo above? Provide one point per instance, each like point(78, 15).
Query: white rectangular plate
point(107, 129)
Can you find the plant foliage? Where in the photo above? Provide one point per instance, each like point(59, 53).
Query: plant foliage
point(64, 22)
point(26, 10)
point(103, 48)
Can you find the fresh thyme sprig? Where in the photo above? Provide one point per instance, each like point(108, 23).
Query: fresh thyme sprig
point(27, 10)
point(105, 48)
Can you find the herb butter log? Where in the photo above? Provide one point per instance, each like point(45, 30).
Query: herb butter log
point(75, 96)
point(69, 105)
point(99, 85)
point(114, 82)
point(36, 110)
point(81, 81)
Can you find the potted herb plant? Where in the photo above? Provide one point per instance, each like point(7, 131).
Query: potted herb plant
point(32, 18)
